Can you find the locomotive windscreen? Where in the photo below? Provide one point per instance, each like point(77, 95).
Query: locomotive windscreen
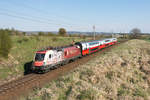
point(39, 57)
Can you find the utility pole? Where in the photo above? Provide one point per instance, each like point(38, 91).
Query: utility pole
point(94, 31)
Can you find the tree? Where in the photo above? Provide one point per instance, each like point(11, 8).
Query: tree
point(24, 33)
point(41, 33)
point(62, 32)
point(135, 32)
point(5, 43)
point(50, 34)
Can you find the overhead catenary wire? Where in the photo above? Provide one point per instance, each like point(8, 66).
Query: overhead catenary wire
point(42, 20)
point(34, 20)
point(25, 18)
point(23, 5)
point(31, 17)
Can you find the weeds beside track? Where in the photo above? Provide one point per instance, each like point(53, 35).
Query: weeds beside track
point(21, 86)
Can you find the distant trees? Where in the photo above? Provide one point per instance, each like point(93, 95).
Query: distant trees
point(41, 33)
point(24, 33)
point(51, 34)
point(135, 33)
point(62, 32)
point(5, 43)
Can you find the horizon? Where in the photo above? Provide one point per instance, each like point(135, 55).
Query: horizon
point(108, 16)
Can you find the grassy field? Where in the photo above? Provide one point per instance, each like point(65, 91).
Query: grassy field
point(120, 74)
point(23, 50)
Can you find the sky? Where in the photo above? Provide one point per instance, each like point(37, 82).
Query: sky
point(75, 15)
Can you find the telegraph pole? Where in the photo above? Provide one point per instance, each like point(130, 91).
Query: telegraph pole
point(94, 31)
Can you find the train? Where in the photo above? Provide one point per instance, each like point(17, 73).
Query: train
point(51, 58)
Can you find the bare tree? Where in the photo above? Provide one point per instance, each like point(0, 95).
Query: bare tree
point(135, 32)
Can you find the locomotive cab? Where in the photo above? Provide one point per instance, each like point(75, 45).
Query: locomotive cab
point(39, 59)
point(45, 60)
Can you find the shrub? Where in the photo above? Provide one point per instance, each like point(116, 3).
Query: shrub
point(69, 91)
point(5, 43)
point(140, 92)
point(109, 75)
point(19, 41)
point(123, 91)
point(37, 38)
point(41, 33)
point(46, 96)
point(86, 95)
point(62, 96)
point(25, 39)
point(54, 39)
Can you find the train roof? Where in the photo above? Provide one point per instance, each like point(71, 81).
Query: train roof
point(55, 48)
point(95, 40)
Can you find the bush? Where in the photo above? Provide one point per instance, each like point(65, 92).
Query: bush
point(123, 90)
point(41, 33)
point(62, 97)
point(5, 43)
point(109, 75)
point(54, 39)
point(25, 39)
point(37, 38)
point(140, 92)
point(19, 41)
point(86, 95)
point(46, 96)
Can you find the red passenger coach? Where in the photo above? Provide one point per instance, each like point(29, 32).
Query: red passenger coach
point(101, 44)
point(72, 52)
point(94, 46)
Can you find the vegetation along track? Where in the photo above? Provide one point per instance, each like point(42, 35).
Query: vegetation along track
point(13, 89)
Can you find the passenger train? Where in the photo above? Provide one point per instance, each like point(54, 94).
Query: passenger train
point(51, 58)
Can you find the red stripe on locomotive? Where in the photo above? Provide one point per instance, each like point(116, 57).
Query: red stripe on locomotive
point(38, 63)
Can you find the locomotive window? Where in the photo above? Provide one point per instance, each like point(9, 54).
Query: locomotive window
point(50, 56)
point(39, 57)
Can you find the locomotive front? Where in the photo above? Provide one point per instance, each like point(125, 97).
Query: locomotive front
point(38, 63)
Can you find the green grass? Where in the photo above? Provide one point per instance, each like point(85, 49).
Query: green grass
point(23, 50)
point(109, 76)
point(113, 75)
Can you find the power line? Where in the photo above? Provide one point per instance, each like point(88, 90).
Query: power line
point(36, 19)
point(31, 19)
point(25, 18)
point(39, 10)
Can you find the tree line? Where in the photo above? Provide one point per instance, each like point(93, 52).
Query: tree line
point(6, 42)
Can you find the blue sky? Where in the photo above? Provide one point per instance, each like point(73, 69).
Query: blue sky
point(75, 15)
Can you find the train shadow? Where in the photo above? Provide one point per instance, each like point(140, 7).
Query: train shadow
point(27, 68)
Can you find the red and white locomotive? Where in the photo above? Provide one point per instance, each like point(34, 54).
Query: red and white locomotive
point(50, 58)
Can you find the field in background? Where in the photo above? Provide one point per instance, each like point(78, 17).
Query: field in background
point(23, 50)
point(120, 74)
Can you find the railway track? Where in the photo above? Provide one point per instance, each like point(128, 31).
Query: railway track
point(21, 86)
